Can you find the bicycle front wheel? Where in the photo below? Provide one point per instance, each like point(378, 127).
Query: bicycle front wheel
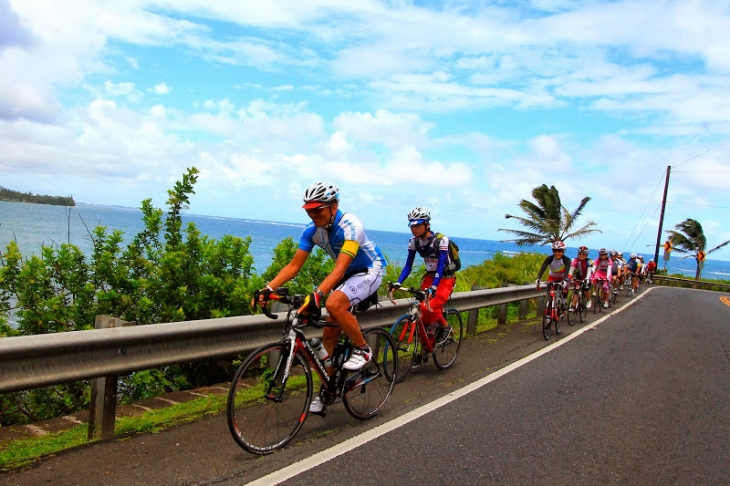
point(445, 352)
point(571, 319)
point(405, 335)
point(546, 320)
point(560, 316)
point(368, 390)
point(266, 407)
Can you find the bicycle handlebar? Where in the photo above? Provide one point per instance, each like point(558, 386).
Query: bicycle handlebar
point(419, 294)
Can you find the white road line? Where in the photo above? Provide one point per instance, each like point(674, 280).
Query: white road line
point(354, 442)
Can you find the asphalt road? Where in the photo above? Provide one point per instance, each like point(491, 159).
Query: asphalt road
point(641, 398)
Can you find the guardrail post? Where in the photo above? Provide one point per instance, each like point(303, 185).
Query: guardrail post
point(473, 318)
point(103, 403)
point(524, 309)
point(502, 312)
point(540, 306)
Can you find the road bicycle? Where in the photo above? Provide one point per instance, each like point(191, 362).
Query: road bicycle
point(613, 288)
point(415, 342)
point(581, 307)
point(599, 294)
point(269, 397)
point(555, 310)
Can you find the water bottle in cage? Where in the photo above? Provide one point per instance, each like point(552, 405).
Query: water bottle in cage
point(319, 349)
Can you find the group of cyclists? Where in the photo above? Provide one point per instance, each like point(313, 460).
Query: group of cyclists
point(360, 265)
point(610, 272)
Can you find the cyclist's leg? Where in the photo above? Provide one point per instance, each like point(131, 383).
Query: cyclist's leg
point(349, 293)
point(437, 302)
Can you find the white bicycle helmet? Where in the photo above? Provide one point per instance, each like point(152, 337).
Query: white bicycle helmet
point(320, 193)
point(633, 255)
point(603, 251)
point(558, 245)
point(418, 215)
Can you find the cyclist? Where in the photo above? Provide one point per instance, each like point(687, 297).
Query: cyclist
point(559, 267)
point(651, 269)
point(582, 266)
point(633, 267)
point(617, 270)
point(624, 271)
point(602, 271)
point(359, 265)
point(439, 278)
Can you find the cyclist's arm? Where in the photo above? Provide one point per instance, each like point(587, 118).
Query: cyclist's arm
point(344, 259)
point(290, 270)
point(544, 266)
point(443, 256)
point(408, 267)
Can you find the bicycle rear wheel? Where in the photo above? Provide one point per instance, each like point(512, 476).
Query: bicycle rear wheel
point(265, 409)
point(368, 390)
point(446, 351)
point(582, 309)
point(405, 335)
point(546, 320)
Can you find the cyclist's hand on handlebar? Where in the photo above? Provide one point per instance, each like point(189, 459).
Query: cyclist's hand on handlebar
point(260, 297)
point(431, 292)
point(312, 305)
point(392, 287)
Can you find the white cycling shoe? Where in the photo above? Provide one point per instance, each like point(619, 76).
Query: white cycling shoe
point(358, 359)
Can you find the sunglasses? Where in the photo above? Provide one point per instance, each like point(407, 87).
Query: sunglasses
point(558, 251)
point(316, 211)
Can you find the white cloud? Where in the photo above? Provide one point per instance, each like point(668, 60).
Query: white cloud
point(161, 89)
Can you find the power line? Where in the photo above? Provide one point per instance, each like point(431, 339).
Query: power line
point(693, 204)
point(642, 213)
point(647, 224)
point(703, 153)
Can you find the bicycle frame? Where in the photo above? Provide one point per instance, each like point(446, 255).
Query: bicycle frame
point(333, 385)
point(553, 300)
point(428, 342)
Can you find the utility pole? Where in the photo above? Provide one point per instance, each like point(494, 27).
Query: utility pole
point(661, 216)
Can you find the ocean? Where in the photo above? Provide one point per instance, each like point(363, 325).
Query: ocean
point(33, 225)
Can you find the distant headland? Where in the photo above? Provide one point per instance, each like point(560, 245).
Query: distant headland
point(15, 196)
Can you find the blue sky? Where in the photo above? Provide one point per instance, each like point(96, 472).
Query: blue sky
point(459, 106)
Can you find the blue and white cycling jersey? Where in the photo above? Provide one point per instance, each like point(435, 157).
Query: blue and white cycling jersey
point(346, 227)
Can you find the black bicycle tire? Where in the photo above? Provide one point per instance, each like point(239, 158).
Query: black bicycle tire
point(257, 414)
point(582, 309)
point(359, 383)
point(453, 341)
point(571, 294)
point(547, 313)
point(405, 355)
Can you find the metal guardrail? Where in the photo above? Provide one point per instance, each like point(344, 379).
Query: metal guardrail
point(34, 361)
point(694, 284)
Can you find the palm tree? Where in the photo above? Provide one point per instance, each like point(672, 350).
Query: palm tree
point(691, 239)
point(548, 220)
